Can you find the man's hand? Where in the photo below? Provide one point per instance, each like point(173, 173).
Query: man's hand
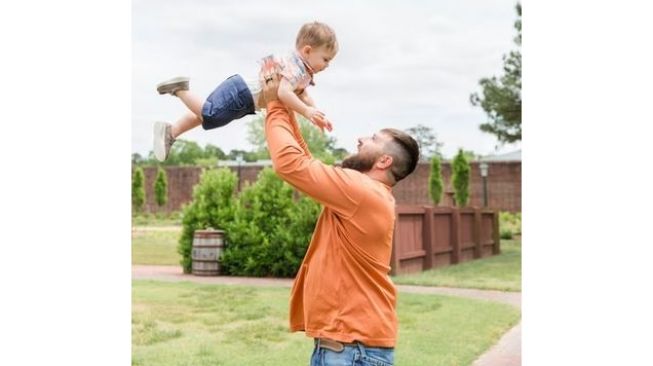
point(270, 84)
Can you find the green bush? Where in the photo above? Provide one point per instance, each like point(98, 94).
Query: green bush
point(270, 231)
point(212, 206)
point(461, 170)
point(435, 180)
point(510, 223)
point(161, 187)
point(506, 234)
point(138, 190)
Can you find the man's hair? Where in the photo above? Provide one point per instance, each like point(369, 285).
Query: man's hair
point(317, 34)
point(404, 151)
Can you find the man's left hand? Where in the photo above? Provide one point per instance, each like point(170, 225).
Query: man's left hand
point(270, 85)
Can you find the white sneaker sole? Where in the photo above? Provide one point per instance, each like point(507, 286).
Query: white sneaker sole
point(160, 141)
point(166, 86)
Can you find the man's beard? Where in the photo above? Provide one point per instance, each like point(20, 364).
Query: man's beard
point(359, 162)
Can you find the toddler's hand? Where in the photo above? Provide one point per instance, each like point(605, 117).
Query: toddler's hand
point(318, 119)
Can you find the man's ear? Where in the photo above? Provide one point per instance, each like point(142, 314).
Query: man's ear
point(384, 162)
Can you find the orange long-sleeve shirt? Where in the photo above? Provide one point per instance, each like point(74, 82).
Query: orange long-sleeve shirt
point(342, 290)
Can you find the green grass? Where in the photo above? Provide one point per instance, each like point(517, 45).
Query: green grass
point(150, 246)
point(156, 219)
point(201, 325)
point(501, 272)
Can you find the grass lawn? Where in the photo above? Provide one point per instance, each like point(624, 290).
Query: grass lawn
point(501, 272)
point(198, 324)
point(158, 219)
point(156, 246)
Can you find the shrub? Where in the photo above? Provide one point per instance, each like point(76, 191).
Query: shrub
point(212, 206)
point(506, 234)
point(161, 187)
point(435, 180)
point(270, 230)
point(461, 170)
point(138, 189)
point(510, 222)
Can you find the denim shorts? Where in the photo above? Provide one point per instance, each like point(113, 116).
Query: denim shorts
point(352, 355)
point(231, 100)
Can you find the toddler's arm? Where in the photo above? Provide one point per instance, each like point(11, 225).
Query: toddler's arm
point(306, 98)
point(291, 100)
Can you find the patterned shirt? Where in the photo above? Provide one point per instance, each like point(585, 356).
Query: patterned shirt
point(292, 68)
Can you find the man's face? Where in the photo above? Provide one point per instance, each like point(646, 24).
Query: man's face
point(369, 150)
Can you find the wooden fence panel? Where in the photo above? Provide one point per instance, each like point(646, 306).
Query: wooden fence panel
point(487, 231)
point(430, 237)
point(408, 244)
point(467, 232)
point(443, 246)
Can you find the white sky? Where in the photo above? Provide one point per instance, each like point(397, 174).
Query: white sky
point(400, 63)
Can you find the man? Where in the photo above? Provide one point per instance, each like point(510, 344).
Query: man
point(342, 295)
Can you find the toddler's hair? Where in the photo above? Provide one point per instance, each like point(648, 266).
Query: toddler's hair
point(317, 34)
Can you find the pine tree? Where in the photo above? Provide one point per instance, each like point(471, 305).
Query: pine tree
point(435, 180)
point(161, 187)
point(460, 173)
point(138, 189)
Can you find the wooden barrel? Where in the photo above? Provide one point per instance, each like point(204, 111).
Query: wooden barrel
point(207, 248)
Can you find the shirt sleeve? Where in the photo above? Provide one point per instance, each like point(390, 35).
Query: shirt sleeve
point(293, 70)
point(334, 187)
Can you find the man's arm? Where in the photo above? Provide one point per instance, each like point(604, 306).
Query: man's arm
point(336, 188)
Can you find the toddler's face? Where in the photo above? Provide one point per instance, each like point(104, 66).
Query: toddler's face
point(318, 58)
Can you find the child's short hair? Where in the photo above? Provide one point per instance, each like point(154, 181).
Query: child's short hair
point(316, 34)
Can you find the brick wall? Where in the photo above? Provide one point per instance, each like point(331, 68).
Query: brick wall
point(504, 185)
point(503, 181)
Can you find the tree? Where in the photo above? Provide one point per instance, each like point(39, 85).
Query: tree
point(471, 155)
point(460, 173)
point(212, 151)
point(427, 141)
point(161, 187)
point(137, 159)
point(248, 156)
point(138, 189)
point(322, 146)
point(501, 98)
point(435, 180)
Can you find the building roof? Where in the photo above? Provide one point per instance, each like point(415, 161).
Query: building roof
point(511, 156)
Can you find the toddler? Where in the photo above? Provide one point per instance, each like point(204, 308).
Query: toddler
point(236, 97)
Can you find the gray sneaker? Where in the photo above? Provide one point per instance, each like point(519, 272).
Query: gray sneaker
point(173, 85)
point(162, 140)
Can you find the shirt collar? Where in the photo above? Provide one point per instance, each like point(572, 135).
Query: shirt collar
point(308, 67)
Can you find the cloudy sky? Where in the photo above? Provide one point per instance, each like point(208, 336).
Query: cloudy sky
point(400, 63)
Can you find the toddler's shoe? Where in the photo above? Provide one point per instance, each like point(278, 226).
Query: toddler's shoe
point(162, 140)
point(173, 85)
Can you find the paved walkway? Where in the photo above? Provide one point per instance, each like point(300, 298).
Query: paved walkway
point(507, 352)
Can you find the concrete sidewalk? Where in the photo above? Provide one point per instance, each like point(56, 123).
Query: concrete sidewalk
point(507, 352)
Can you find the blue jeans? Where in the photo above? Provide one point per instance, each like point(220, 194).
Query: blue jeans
point(229, 101)
point(352, 355)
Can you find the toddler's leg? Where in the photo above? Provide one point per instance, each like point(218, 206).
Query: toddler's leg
point(186, 122)
point(165, 133)
point(193, 102)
